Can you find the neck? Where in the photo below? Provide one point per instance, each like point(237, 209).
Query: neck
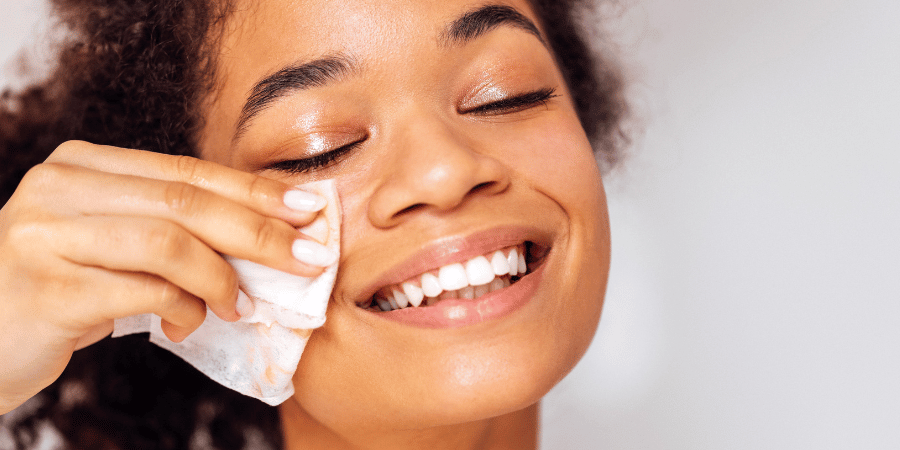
point(516, 430)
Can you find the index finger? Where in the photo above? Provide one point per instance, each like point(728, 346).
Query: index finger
point(263, 195)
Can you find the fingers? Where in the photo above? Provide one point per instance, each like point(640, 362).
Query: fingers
point(121, 294)
point(157, 247)
point(226, 226)
point(262, 195)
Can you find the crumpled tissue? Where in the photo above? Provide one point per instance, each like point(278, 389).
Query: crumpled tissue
point(258, 355)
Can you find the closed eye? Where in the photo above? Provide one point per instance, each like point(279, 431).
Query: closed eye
point(315, 162)
point(514, 104)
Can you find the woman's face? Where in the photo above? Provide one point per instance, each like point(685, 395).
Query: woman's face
point(450, 134)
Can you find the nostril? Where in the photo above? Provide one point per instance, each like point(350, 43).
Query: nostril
point(482, 187)
point(486, 186)
point(409, 209)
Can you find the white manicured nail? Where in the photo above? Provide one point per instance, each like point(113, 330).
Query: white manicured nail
point(303, 201)
point(313, 253)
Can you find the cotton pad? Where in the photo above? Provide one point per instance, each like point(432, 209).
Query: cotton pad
point(258, 355)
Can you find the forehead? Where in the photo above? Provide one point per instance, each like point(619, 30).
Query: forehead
point(390, 39)
point(262, 34)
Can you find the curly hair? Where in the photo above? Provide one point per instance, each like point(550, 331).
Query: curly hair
point(134, 74)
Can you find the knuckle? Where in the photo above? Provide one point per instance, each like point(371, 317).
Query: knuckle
point(68, 149)
point(267, 233)
point(43, 175)
point(22, 238)
point(259, 189)
point(23, 233)
point(166, 241)
point(187, 168)
point(182, 197)
point(166, 295)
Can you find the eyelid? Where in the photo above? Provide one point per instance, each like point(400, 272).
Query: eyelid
point(509, 103)
point(320, 142)
point(483, 95)
point(319, 152)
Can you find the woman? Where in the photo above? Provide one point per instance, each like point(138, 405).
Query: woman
point(452, 129)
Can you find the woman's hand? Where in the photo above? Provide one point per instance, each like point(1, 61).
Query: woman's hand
point(97, 233)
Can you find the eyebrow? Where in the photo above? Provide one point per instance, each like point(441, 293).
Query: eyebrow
point(316, 73)
point(468, 27)
point(477, 22)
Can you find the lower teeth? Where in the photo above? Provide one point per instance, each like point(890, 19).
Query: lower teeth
point(383, 305)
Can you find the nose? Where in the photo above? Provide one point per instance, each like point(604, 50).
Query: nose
point(432, 167)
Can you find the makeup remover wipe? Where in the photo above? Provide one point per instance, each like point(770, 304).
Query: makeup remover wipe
point(258, 355)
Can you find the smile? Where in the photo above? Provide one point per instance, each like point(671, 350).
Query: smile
point(465, 281)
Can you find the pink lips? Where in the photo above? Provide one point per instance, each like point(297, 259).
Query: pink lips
point(450, 313)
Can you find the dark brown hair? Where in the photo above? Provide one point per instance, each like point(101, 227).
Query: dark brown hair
point(134, 74)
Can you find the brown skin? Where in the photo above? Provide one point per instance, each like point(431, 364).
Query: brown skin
point(97, 233)
point(426, 171)
point(411, 183)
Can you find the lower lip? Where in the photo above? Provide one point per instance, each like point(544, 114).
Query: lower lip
point(453, 313)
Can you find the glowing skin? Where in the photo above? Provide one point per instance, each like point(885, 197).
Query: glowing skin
point(427, 184)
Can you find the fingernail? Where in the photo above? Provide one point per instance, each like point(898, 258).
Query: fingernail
point(303, 201)
point(244, 306)
point(313, 253)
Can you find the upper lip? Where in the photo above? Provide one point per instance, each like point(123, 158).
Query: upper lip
point(454, 249)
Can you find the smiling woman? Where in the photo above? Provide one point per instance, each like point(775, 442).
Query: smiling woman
point(474, 242)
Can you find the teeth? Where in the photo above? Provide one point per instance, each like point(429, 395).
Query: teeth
point(469, 280)
point(431, 286)
point(453, 277)
point(499, 263)
point(393, 302)
point(513, 261)
point(401, 298)
point(414, 293)
point(479, 271)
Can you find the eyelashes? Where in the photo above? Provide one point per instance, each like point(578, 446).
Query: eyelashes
point(315, 162)
point(514, 103)
point(508, 105)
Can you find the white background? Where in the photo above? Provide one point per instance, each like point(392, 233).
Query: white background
point(754, 299)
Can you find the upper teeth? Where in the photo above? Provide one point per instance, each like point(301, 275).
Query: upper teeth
point(481, 271)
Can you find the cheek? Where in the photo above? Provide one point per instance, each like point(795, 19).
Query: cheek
point(355, 187)
point(558, 161)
